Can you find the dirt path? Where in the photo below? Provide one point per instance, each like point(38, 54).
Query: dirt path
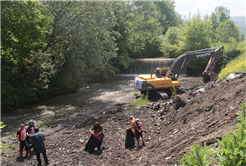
point(169, 130)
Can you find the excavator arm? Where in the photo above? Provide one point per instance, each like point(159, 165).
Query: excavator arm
point(208, 74)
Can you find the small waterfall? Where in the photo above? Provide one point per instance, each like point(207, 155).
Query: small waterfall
point(146, 66)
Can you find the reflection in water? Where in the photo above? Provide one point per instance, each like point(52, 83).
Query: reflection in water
point(52, 108)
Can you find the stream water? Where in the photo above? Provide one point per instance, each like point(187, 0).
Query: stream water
point(59, 106)
point(88, 95)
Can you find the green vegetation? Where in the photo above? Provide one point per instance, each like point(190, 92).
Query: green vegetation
point(236, 65)
point(198, 155)
point(1, 126)
point(174, 92)
point(53, 47)
point(233, 147)
point(48, 124)
point(141, 101)
point(12, 146)
point(231, 151)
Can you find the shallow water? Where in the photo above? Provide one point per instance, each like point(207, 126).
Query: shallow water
point(52, 108)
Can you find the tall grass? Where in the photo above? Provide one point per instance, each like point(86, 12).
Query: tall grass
point(141, 101)
point(236, 65)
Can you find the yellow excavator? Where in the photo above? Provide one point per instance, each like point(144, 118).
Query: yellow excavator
point(163, 79)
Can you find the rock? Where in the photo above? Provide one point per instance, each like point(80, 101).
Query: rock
point(180, 102)
point(153, 115)
point(67, 132)
point(47, 114)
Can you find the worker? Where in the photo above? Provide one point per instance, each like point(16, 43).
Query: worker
point(138, 132)
point(96, 138)
point(38, 145)
point(30, 128)
point(21, 137)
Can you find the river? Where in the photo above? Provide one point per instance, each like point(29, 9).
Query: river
point(56, 107)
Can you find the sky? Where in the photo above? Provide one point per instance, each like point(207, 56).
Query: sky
point(184, 7)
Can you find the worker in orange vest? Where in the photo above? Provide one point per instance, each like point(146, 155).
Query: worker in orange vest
point(138, 131)
point(30, 128)
point(21, 136)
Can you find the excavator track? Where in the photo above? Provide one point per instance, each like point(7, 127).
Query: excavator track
point(164, 93)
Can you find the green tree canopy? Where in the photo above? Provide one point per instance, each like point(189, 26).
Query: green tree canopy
point(23, 34)
point(226, 30)
point(222, 13)
point(196, 35)
point(170, 40)
point(168, 17)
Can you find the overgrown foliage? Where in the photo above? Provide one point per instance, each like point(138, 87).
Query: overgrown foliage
point(142, 100)
point(1, 126)
point(198, 155)
point(232, 148)
point(174, 92)
point(52, 47)
point(236, 65)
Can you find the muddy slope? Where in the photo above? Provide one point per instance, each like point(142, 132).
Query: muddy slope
point(170, 128)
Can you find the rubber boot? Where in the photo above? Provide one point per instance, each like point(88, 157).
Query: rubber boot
point(27, 153)
point(21, 152)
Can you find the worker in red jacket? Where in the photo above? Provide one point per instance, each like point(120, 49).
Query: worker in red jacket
point(21, 136)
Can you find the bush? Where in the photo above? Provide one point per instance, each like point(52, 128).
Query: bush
point(174, 92)
point(48, 124)
point(198, 155)
point(232, 148)
point(141, 101)
point(1, 126)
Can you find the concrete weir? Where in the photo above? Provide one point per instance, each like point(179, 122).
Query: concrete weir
point(147, 65)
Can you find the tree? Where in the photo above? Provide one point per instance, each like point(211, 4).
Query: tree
point(222, 13)
point(214, 24)
point(23, 34)
point(168, 18)
point(196, 35)
point(145, 30)
point(138, 28)
point(219, 15)
point(170, 40)
point(84, 33)
point(51, 47)
point(226, 30)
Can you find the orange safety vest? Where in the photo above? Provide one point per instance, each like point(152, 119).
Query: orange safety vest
point(22, 134)
point(133, 122)
point(32, 130)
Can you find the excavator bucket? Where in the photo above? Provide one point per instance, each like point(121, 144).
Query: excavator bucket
point(210, 77)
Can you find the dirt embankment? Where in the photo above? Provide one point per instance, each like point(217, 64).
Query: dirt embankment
point(169, 128)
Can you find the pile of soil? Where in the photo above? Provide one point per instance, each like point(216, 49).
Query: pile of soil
point(202, 114)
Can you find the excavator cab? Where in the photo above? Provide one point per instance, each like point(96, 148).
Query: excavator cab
point(164, 72)
point(160, 72)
